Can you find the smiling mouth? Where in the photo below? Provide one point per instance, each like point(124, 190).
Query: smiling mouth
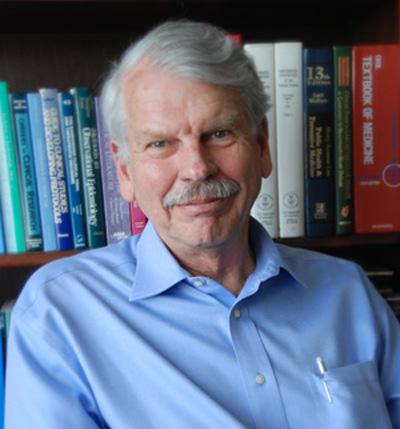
point(199, 201)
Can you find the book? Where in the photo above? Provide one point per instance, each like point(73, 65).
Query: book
point(56, 168)
point(376, 146)
point(138, 218)
point(11, 205)
point(289, 137)
point(29, 191)
point(265, 208)
point(42, 171)
point(318, 142)
point(343, 146)
point(90, 165)
point(72, 170)
point(116, 209)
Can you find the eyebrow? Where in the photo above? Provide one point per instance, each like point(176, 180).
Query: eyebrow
point(228, 121)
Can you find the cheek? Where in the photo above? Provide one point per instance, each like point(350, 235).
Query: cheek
point(153, 180)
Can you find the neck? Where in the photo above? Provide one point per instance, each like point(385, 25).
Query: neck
point(230, 264)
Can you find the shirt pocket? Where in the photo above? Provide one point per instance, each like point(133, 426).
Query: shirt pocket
point(357, 398)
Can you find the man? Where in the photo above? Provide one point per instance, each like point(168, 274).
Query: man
point(202, 321)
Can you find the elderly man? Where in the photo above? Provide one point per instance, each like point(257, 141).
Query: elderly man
point(202, 322)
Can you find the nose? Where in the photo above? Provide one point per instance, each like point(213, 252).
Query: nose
point(196, 162)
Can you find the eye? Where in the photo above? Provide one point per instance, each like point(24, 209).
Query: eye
point(158, 144)
point(220, 137)
point(220, 134)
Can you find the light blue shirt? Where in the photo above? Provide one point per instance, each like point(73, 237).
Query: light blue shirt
point(123, 337)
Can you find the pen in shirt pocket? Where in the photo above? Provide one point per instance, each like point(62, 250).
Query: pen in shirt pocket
point(322, 370)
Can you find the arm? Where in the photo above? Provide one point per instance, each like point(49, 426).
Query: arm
point(45, 387)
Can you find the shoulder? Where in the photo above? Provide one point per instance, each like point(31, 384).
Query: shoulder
point(316, 269)
point(71, 278)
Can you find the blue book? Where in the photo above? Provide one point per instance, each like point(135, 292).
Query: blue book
point(2, 241)
point(42, 172)
point(318, 142)
point(56, 167)
point(74, 181)
point(29, 192)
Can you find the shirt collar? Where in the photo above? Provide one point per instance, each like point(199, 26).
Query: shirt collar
point(156, 270)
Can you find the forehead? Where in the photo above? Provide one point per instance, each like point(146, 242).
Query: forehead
point(153, 95)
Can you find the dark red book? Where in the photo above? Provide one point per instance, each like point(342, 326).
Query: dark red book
point(376, 113)
point(138, 218)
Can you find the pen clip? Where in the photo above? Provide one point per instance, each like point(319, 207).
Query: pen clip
point(322, 369)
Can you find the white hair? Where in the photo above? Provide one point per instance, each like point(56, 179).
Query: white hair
point(191, 50)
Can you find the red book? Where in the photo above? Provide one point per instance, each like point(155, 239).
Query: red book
point(138, 218)
point(376, 114)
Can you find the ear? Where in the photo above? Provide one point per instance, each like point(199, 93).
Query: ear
point(124, 173)
point(262, 139)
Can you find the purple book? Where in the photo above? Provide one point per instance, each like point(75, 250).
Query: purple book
point(116, 209)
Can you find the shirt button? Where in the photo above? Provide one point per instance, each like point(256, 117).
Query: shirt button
point(260, 379)
point(198, 283)
point(236, 313)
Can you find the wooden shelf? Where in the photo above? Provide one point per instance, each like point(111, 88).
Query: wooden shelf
point(32, 259)
point(337, 242)
point(35, 259)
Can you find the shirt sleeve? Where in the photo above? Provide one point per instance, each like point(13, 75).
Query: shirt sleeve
point(45, 387)
point(389, 352)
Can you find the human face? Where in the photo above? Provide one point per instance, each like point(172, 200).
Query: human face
point(182, 132)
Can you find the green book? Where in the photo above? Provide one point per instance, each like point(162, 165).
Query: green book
point(9, 180)
point(90, 165)
point(343, 157)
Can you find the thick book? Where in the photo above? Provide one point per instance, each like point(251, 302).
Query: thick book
point(265, 208)
point(42, 172)
point(29, 190)
point(90, 165)
point(343, 146)
point(376, 144)
point(56, 168)
point(138, 218)
point(11, 205)
point(318, 108)
point(289, 137)
point(116, 209)
point(72, 168)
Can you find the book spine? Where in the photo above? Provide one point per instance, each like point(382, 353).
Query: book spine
point(138, 218)
point(289, 137)
point(265, 208)
point(70, 147)
point(29, 192)
point(9, 181)
point(318, 142)
point(376, 101)
point(116, 209)
point(42, 172)
point(343, 157)
point(90, 165)
point(56, 167)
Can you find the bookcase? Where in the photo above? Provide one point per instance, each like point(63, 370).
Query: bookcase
point(64, 43)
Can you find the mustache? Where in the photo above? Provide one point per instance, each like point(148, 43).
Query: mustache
point(209, 188)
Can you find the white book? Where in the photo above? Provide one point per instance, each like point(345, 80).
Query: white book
point(265, 208)
point(289, 137)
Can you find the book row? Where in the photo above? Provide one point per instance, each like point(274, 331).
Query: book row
point(58, 185)
point(333, 136)
point(334, 139)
